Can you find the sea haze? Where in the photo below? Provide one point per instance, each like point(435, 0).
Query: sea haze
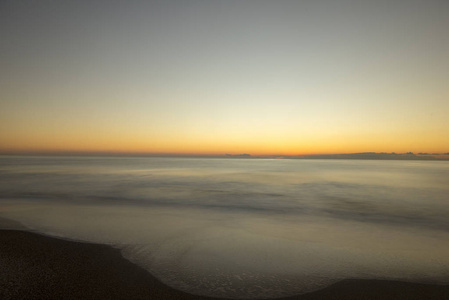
point(243, 228)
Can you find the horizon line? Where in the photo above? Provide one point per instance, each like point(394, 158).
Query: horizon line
point(218, 155)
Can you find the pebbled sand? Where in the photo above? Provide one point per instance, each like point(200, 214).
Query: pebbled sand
point(34, 266)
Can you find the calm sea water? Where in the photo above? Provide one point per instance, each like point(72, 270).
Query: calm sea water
point(243, 228)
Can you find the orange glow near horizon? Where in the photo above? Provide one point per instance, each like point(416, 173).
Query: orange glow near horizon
point(191, 145)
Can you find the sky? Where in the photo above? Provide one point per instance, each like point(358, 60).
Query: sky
point(213, 77)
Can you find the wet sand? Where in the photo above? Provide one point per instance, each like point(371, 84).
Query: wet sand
point(34, 266)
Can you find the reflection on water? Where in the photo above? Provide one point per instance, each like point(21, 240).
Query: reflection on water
point(243, 228)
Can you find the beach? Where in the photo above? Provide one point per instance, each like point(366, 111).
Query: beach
point(192, 149)
point(36, 266)
point(172, 228)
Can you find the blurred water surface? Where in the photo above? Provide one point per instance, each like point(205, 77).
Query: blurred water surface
point(243, 228)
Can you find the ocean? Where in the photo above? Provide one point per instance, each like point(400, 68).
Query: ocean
point(243, 228)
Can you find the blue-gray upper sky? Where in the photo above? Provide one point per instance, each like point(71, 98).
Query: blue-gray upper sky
point(225, 76)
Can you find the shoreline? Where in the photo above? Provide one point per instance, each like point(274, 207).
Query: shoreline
point(37, 266)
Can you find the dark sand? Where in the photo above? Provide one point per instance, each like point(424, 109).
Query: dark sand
point(34, 266)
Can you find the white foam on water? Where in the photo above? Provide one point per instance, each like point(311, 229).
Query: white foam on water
point(245, 255)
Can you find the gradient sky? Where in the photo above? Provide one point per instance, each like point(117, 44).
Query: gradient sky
point(261, 77)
